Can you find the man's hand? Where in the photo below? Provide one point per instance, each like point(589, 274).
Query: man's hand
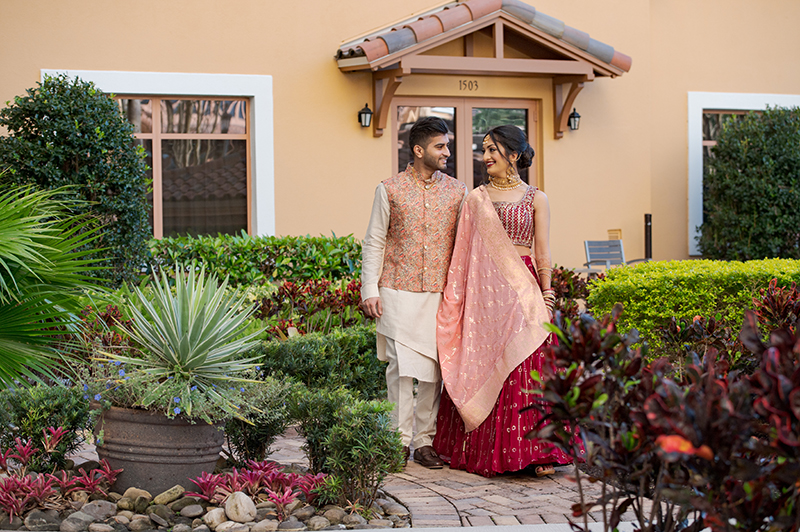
point(372, 307)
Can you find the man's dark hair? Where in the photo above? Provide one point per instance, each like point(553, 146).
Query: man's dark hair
point(425, 128)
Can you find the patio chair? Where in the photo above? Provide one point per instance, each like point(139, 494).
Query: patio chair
point(605, 253)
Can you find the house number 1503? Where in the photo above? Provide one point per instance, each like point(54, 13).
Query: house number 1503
point(467, 85)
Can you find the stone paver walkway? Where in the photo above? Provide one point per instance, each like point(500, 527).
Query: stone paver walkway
point(452, 498)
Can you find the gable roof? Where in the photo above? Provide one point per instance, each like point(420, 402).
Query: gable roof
point(380, 48)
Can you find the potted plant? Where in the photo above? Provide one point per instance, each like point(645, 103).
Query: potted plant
point(165, 393)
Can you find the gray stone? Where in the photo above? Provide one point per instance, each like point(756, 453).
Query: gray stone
point(139, 517)
point(225, 526)
point(100, 527)
point(197, 523)
point(394, 519)
point(118, 527)
point(178, 520)
point(172, 494)
point(383, 523)
point(182, 503)
point(140, 504)
point(157, 519)
point(182, 528)
point(77, 522)
point(317, 522)
point(239, 527)
point(294, 505)
point(113, 496)
point(39, 520)
point(138, 525)
point(305, 513)
point(240, 508)
point(122, 519)
point(88, 466)
point(201, 528)
point(75, 505)
point(265, 513)
point(162, 511)
point(100, 510)
point(79, 495)
point(291, 525)
point(215, 517)
point(334, 515)
point(394, 508)
point(353, 519)
point(13, 524)
point(266, 504)
point(193, 510)
point(126, 503)
point(266, 525)
point(377, 509)
point(134, 493)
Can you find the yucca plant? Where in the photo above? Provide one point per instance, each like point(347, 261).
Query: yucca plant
point(43, 271)
point(191, 345)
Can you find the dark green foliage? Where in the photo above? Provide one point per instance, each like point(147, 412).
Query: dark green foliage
point(751, 192)
point(571, 291)
point(255, 260)
point(653, 293)
point(268, 419)
point(67, 132)
point(315, 411)
point(27, 412)
point(345, 357)
point(363, 449)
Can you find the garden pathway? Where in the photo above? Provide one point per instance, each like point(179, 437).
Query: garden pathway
point(451, 498)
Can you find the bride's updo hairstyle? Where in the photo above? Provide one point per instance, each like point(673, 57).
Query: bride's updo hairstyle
point(513, 140)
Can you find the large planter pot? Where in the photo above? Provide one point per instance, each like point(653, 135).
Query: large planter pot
point(155, 452)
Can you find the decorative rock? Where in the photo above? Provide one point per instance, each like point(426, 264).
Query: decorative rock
point(394, 508)
point(353, 519)
point(100, 527)
point(334, 515)
point(394, 519)
point(125, 513)
point(267, 525)
point(157, 519)
point(134, 493)
point(77, 522)
point(316, 523)
point(197, 523)
point(88, 466)
point(39, 520)
point(14, 524)
point(291, 525)
point(294, 505)
point(182, 503)
point(305, 513)
point(201, 528)
point(192, 510)
point(137, 525)
point(181, 528)
point(266, 504)
point(122, 519)
point(126, 503)
point(178, 520)
point(265, 513)
point(100, 510)
point(79, 495)
point(75, 505)
point(239, 527)
point(215, 517)
point(225, 526)
point(240, 508)
point(118, 527)
point(385, 523)
point(140, 504)
point(162, 511)
point(172, 494)
point(113, 496)
point(139, 517)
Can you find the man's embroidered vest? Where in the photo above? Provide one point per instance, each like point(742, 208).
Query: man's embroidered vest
point(422, 230)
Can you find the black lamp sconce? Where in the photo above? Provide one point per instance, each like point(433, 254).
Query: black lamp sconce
point(574, 120)
point(365, 116)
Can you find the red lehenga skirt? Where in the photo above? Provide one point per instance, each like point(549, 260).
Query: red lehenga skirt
point(498, 445)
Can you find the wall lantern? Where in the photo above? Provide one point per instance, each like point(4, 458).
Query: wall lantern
point(365, 116)
point(574, 120)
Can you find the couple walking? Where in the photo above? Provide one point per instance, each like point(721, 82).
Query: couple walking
point(458, 298)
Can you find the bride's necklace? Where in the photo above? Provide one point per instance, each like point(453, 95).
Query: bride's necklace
point(508, 183)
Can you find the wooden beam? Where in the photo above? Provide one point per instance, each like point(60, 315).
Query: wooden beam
point(499, 43)
point(469, 45)
point(384, 86)
point(490, 66)
point(562, 109)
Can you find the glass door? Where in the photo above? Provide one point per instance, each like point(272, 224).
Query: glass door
point(468, 120)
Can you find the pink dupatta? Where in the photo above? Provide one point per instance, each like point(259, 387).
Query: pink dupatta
point(491, 315)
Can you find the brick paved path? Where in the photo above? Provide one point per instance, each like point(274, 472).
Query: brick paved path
point(451, 498)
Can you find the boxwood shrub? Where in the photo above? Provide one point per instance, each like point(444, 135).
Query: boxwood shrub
point(654, 292)
point(344, 357)
point(257, 260)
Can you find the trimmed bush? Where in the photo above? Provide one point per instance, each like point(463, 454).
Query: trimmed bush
point(345, 357)
point(68, 132)
point(654, 292)
point(751, 190)
point(257, 260)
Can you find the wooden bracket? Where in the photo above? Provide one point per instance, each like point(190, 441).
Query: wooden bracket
point(563, 105)
point(384, 85)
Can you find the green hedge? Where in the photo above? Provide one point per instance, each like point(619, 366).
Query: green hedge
point(256, 260)
point(654, 292)
point(344, 357)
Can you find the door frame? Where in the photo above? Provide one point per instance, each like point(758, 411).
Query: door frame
point(463, 116)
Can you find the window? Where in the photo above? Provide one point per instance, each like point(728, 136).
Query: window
point(706, 110)
point(198, 152)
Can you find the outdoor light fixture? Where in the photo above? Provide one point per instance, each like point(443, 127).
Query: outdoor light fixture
point(365, 116)
point(574, 120)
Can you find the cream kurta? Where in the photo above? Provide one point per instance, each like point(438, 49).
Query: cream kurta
point(409, 318)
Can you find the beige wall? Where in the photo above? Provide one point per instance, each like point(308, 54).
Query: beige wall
point(627, 159)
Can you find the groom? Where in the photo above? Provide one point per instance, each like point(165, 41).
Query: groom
point(406, 254)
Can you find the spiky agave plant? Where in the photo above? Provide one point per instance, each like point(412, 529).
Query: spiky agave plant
point(191, 342)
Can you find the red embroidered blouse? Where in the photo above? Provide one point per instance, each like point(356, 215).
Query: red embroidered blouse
point(517, 218)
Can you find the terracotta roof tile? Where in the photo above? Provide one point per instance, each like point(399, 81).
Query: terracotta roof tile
point(457, 14)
